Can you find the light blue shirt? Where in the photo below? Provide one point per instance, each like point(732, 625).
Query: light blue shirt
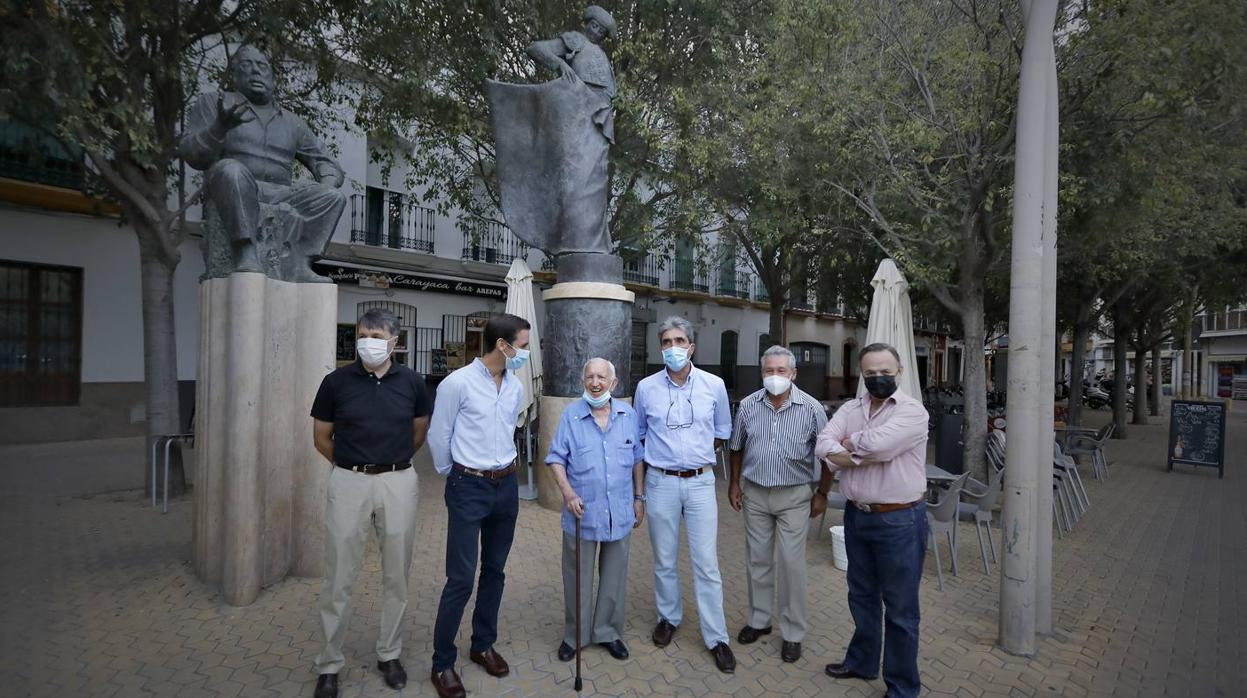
point(679, 423)
point(473, 420)
point(599, 467)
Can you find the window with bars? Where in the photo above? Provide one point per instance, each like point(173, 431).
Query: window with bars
point(40, 334)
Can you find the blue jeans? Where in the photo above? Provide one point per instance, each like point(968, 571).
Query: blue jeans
point(885, 569)
point(670, 499)
point(482, 516)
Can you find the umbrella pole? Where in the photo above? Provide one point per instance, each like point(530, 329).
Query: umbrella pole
point(579, 683)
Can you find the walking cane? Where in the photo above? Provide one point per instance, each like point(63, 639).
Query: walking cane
point(579, 684)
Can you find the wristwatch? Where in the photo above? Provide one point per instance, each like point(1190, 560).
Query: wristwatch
point(638, 498)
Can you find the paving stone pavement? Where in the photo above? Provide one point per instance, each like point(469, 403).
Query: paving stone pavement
point(97, 598)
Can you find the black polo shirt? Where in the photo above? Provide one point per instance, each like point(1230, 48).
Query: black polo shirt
point(372, 416)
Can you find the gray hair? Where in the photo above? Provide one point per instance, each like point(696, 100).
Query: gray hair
point(379, 319)
point(675, 322)
point(778, 350)
point(610, 365)
point(879, 346)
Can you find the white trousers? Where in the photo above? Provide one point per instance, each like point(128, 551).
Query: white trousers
point(387, 504)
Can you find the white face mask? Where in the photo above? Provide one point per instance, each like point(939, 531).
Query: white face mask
point(372, 351)
point(776, 385)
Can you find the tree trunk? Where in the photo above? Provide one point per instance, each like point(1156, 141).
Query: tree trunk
point(1121, 335)
point(1082, 330)
point(1140, 384)
point(777, 323)
point(1153, 407)
point(160, 357)
point(974, 454)
point(1187, 389)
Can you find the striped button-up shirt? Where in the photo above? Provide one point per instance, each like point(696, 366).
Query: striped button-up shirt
point(599, 467)
point(778, 443)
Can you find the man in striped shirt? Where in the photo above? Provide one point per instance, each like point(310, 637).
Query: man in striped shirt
point(773, 448)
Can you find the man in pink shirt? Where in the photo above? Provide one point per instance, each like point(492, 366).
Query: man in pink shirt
point(878, 444)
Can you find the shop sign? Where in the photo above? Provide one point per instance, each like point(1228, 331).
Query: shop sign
point(371, 278)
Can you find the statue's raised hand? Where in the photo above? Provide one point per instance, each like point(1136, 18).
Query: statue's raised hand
point(234, 115)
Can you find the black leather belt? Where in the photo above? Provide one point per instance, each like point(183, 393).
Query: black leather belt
point(497, 474)
point(684, 473)
point(375, 469)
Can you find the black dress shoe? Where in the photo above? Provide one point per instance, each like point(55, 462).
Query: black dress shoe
point(723, 658)
point(790, 651)
point(395, 675)
point(327, 686)
point(617, 648)
point(749, 634)
point(566, 652)
point(663, 632)
point(840, 671)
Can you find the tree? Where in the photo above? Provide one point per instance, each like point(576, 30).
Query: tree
point(114, 78)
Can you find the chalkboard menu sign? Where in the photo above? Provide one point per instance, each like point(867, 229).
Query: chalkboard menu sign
point(1197, 434)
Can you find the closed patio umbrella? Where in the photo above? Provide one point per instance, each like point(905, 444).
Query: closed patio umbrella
point(520, 303)
point(892, 322)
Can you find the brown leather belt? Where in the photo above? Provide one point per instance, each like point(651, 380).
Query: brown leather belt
point(883, 508)
point(487, 474)
point(684, 473)
point(375, 469)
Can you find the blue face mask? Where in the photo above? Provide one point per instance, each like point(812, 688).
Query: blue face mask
point(675, 357)
point(517, 362)
point(597, 402)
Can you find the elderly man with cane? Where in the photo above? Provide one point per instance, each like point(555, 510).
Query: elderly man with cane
point(596, 459)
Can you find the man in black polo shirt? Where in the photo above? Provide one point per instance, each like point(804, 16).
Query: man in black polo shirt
point(370, 419)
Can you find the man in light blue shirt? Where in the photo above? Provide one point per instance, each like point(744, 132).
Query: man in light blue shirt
point(685, 417)
point(472, 439)
point(595, 458)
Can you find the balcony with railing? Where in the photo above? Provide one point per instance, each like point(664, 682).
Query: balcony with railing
point(641, 270)
point(490, 242)
point(732, 283)
point(399, 224)
point(1229, 321)
point(33, 156)
point(760, 294)
point(686, 276)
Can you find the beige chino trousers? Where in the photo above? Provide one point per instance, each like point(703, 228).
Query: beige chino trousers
point(357, 502)
point(776, 522)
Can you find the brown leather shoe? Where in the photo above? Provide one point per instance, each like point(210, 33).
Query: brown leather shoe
point(493, 662)
point(663, 632)
point(448, 684)
point(723, 658)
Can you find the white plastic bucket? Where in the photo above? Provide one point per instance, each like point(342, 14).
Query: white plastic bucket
point(839, 556)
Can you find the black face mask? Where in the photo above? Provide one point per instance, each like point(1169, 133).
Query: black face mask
point(881, 387)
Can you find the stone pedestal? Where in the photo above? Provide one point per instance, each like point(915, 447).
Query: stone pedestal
point(588, 314)
point(264, 347)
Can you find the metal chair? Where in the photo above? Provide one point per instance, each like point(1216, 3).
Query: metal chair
point(942, 518)
point(1069, 466)
point(978, 509)
point(1084, 443)
point(168, 440)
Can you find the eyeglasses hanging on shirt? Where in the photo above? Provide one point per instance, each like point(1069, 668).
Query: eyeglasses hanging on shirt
point(680, 409)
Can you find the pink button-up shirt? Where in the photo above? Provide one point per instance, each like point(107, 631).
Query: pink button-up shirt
point(890, 448)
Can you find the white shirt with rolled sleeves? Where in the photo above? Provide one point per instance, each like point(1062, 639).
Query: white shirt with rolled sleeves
point(473, 420)
point(890, 448)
